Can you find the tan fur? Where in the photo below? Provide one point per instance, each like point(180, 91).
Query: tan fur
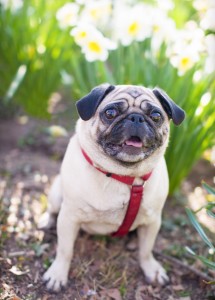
point(96, 203)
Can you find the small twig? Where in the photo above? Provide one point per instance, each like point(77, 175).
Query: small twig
point(21, 253)
point(30, 186)
point(36, 277)
point(184, 265)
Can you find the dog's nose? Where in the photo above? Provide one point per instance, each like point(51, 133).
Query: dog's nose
point(135, 118)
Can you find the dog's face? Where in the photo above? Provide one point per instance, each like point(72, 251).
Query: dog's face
point(129, 123)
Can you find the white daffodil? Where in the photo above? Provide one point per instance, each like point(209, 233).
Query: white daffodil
point(94, 45)
point(96, 12)
point(184, 60)
point(161, 25)
point(206, 9)
point(210, 43)
point(132, 24)
point(186, 49)
point(83, 32)
point(210, 60)
point(165, 4)
point(208, 21)
point(81, 2)
point(67, 15)
point(163, 29)
point(191, 37)
point(14, 5)
point(96, 48)
point(203, 5)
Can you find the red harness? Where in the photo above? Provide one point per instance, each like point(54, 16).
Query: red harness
point(135, 197)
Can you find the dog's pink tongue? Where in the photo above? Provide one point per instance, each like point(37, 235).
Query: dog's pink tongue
point(134, 143)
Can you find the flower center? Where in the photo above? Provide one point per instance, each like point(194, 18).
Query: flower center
point(133, 28)
point(156, 28)
point(94, 13)
point(94, 47)
point(185, 62)
point(82, 34)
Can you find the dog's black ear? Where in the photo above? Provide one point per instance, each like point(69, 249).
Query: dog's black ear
point(87, 105)
point(173, 111)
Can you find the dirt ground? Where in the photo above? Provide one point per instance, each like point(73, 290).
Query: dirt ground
point(103, 267)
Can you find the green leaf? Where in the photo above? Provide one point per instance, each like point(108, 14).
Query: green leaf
point(190, 251)
point(208, 188)
point(15, 83)
point(209, 282)
point(210, 205)
point(208, 263)
point(199, 228)
point(210, 213)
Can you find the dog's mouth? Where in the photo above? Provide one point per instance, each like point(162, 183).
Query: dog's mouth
point(131, 149)
point(133, 141)
point(131, 146)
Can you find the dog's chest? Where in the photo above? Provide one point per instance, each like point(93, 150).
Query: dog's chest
point(105, 213)
point(108, 200)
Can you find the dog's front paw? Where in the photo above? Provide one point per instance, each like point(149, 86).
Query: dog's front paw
point(154, 272)
point(55, 277)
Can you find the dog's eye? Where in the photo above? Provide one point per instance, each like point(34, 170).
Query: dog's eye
point(155, 116)
point(111, 113)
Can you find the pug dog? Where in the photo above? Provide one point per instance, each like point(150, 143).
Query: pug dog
point(122, 130)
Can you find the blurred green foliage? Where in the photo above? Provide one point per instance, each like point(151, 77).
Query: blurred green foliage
point(183, 12)
point(31, 37)
point(35, 52)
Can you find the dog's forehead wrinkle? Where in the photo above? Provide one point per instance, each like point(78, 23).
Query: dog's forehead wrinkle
point(117, 102)
point(135, 95)
point(134, 92)
point(115, 92)
point(116, 97)
point(149, 105)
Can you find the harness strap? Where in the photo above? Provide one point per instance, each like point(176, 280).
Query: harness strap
point(135, 197)
point(132, 211)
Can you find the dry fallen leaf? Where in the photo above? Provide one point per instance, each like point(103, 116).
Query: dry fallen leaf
point(14, 297)
point(178, 287)
point(147, 292)
point(112, 293)
point(17, 271)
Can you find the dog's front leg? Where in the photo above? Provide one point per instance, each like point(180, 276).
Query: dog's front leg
point(67, 229)
point(152, 269)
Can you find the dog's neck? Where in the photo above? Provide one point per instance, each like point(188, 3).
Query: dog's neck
point(130, 180)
